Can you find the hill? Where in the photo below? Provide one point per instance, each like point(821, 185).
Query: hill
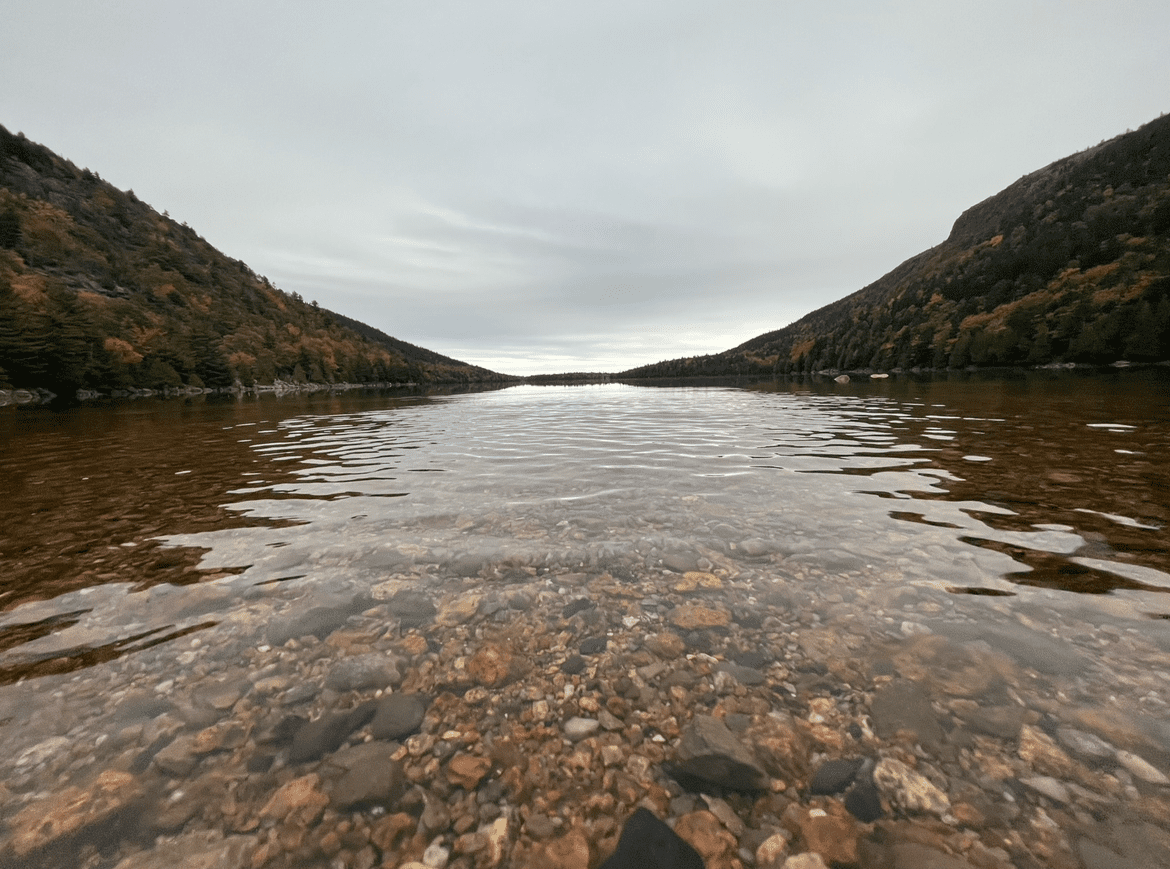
point(1071, 264)
point(99, 291)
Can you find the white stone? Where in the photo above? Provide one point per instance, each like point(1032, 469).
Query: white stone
point(807, 860)
point(911, 790)
point(577, 728)
point(42, 751)
point(1048, 786)
point(1141, 768)
point(436, 856)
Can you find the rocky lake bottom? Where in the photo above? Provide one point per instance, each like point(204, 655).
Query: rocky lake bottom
point(779, 623)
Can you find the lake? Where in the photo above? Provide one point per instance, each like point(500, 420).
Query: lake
point(963, 579)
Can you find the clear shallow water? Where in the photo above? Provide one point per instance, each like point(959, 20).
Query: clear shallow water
point(990, 488)
point(154, 545)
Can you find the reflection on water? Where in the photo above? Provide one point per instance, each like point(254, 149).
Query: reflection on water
point(1015, 510)
point(1050, 482)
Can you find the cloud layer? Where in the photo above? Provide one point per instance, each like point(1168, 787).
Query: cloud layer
point(547, 186)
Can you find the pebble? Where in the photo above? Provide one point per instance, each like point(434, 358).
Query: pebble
point(317, 738)
point(577, 728)
point(1141, 768)
point(398, 716)
point(501, 745)
point(908, 789)
point(834, 776)
point(1048, 786)
point(903, 705)
point(363, 672)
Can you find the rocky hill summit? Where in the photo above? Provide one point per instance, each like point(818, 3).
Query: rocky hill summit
point(100, 292)
point(1070, 264)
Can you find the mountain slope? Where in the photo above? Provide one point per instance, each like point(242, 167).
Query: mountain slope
point(100, 291)
point(1069, 264)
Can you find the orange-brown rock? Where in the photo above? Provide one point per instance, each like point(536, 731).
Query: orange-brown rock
point(570, 851)
point(780, 744)
point(692, 617)
point(467, 770)
point(72, 810)
point(414, 644)
point(298, 801)
point(831, 832)
point(389, 832)
point(706, 835)
point(666, 644)
point(693, 580)
point(1039, 750)
point(493, 666)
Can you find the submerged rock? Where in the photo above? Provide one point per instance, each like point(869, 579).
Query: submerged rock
point(691, 617)
point(328, 732)
point(834, 776)
point(398, 715)
point(73, 811)
point(909, 790)
point(372, 776)
point(412, 608)
point(863, 800)
point(648, 843)
point(361, 672)
point(698, 774)
point(197, 850)
point(903, 705)
point(709, 751)
point(1141, 768)
point(318, 622)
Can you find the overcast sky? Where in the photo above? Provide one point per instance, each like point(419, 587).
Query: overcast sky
point(560, 186)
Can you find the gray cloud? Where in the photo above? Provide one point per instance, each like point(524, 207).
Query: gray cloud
point(546, 185)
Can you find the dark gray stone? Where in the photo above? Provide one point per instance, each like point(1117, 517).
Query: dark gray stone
point(834, 776)
point(754, 660)
point(594, 645)
point(579, 605)
point(863, 800)
point(362, 672)
point(320, 622)
point(412, 608)
point(142, 705)
point(681, 562)
point(737, 722)
point(327, 733)
point(709, 772)
point(372, 776)
point(398, 715)
point(520, 601)
point(648, 843)
point(743, 675)
point(1001, 721)
point(710, 754)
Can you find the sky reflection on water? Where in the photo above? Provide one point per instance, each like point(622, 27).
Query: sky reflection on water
point(990, 489)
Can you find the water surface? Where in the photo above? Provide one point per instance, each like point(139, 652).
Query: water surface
point(148, 546)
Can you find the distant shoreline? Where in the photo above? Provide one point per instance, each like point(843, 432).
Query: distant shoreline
point(39, 396)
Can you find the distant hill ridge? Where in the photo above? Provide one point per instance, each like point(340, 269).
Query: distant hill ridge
point(1070, 264)
point(98, 291)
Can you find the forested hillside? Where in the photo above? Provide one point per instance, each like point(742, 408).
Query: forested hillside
point(1071, 264)
point(99, 291)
